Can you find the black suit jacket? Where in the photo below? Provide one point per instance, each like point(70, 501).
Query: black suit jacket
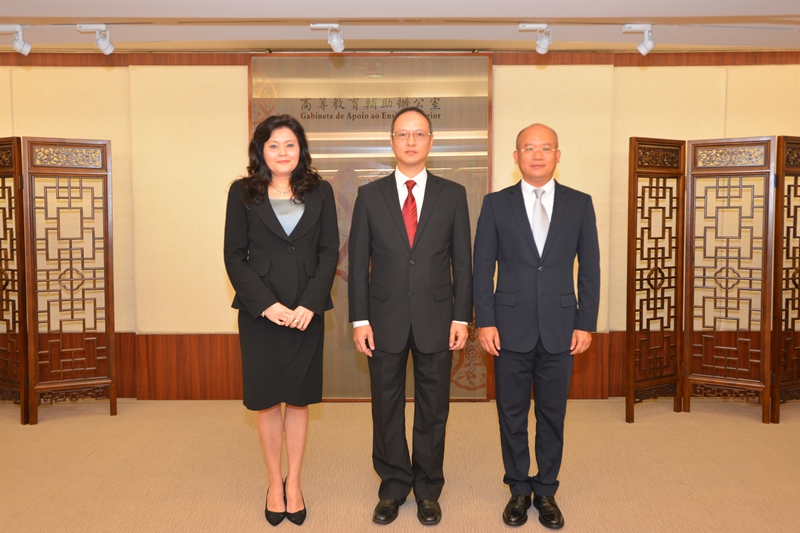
point(265, 265)
point(535, 296)
point(399, 288)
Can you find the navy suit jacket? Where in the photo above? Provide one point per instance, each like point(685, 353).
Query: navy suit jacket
point(535, 296)
point(399, 288)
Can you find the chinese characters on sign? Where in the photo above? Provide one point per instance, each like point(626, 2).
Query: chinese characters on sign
point(364, 108)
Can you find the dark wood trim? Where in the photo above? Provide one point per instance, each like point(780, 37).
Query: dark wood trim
point(553, 58)
point(188, 367)
point(621, 59)
point(122, 60)
point(126, 364)
point(208, 367)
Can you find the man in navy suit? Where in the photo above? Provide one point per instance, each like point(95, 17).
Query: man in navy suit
point(533, 322)
point(410, 288)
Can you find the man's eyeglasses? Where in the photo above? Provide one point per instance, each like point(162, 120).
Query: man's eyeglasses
point(405, 135)
point(546, 150)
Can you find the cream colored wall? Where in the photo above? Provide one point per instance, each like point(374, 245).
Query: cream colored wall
point(85, 103)
point(576, 101)
point(6, 115)
point(666, 103)
point(179, 137)
point(189, 137)
point(763, 100)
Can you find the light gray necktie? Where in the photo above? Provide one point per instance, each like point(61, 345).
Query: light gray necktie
point(540, 222)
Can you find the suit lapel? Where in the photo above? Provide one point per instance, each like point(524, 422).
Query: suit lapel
point(433, 187)
point(313, 205)
point(518, 207)
point(389, 188)
point(269, 218)
point(560, 201)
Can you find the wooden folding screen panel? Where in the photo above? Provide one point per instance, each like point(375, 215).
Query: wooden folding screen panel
point(786, 315)
point(58, 311)
point(13, 333)
point(729, 265)
point(655, 273)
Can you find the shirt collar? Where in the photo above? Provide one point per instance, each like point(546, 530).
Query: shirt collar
point(549, 187)
point(420, 179)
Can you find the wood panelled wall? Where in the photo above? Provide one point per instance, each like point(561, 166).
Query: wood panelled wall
point(156, 367)
point(208, 367)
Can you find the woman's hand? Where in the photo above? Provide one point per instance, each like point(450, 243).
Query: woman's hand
point(277, 313)
point(300, 318)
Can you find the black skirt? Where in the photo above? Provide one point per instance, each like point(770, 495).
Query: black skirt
point(280, 364)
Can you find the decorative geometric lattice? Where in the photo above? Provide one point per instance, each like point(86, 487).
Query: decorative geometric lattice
point(11, 366)
point(727, 279)
point(656, 278)
point(70, 276)
point(789, 288)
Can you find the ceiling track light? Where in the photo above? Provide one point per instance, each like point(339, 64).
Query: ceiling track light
point(647, 44)
point(102, 36)
point(17, 42)
point(543, 36)
point(335, 35)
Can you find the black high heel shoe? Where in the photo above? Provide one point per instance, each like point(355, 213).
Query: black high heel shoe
point(300, 516)
point(272, 517)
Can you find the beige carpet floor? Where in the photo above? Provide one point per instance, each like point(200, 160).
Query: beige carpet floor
point(196, 466)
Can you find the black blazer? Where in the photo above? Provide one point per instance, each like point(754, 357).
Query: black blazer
point(266, 266)
point(535, 296)
point(398, 288)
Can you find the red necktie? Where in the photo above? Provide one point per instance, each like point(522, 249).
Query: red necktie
point(410, 213)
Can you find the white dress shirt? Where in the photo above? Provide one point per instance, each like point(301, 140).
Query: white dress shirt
point(420, 180)
point(548, 198)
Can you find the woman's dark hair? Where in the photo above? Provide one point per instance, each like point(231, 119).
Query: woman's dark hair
point(304, 176)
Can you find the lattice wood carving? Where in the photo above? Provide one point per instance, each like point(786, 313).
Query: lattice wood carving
point(6, 157)
point(659, 156)
point(716, 157)
point(654, 298)
point(68, 157)
point(69, 261)
point(728, 273)
point(11, 360)
point(656, 278)
point(788, 284)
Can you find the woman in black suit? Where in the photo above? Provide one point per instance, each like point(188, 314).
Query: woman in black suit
point(281, 249)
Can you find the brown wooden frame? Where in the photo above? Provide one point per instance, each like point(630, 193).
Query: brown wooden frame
point(12, 280)
point(653, 363)
point(65, 161)
point(785, 377)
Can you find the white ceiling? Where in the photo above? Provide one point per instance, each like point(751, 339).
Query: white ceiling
point(371, 25)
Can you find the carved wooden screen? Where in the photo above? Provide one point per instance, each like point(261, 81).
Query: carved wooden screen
point(13, 345)
point(69, 280)
point(786, 315)
point(655, 274)
point(729, 263)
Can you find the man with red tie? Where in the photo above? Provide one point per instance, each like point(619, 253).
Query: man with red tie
point(410, 288)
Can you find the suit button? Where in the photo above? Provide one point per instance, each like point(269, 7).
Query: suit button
point(290, 249)
point(541, 269)
point(412, 262)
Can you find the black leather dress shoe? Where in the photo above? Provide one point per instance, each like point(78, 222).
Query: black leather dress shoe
point(549, 513)
point(429, 512)
point(386, 511)
point(516, 511)
point(272, 517)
